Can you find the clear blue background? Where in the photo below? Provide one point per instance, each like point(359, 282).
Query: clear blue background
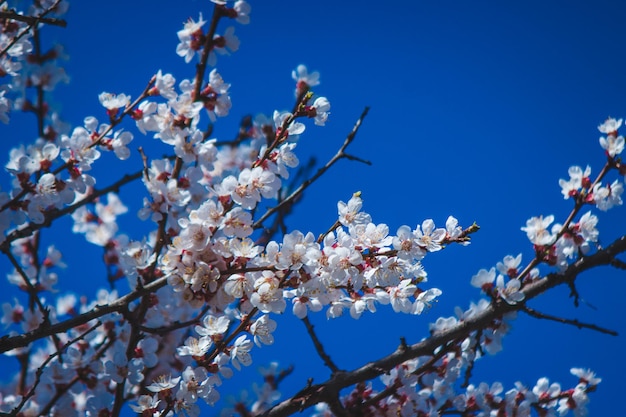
point(477, 109)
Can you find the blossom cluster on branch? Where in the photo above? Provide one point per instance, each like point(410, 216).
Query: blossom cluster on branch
point(188, 303)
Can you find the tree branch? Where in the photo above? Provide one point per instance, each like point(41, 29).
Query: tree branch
point(324, 392)
point(574, 322)
point(319, 347)
point(339, 155)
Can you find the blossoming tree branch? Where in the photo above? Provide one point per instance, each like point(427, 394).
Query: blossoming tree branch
point(187, 306)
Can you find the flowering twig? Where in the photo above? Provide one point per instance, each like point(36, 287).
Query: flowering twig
point(31, 24)
point(53, 215)
point(339, 155)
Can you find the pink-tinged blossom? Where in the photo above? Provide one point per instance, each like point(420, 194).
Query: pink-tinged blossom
point(367, 302)
point(576, 401)
point(546, 391)
point(321, 107)
point(454, 231)
point(12, 314)
point(226, 43)
point(146, 405)
point(350, 212)
point(262, 330)
point(108, 213)
point(47, 76)
point(190, 37)
point(511, 291)
point(428, 237)
point(216, 99)
point(237, 222)
point(285, 157)
point(195, 347)
point(78, 149)
point(586, 376)
point(196, 383)
point(66, 304)
point(213, 327)
point(610, 126)
point(586, 227)
point(146, 350)
point(238, 285)
point(406, 243)
point(303, 303)
point(578, 180)
point(612, 145)
point(240, 8)
point(400, 296)
point(164, 86)
point(244, 248)
point(298, 250)
point(424, 300)
point(293, 128)
point(484, 279)
point(5, 108)
point(371, 235)
point(509, 265)
point(163, 383)
point(609, 196)
point(537, 230)
point(240, 353)
point(304, 80)
point(113, 102)
point(267, 295)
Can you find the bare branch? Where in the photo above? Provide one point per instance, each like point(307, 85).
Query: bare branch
point(574, 322)
point(319, 347)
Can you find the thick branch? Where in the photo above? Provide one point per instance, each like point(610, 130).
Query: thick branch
point(8, 343)
point(32, 20)
point(329, 389)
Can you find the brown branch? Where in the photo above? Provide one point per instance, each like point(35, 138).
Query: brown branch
point(176, 325)
point(12, 342)
point(32, 20)
point(37, 19)
point(206, 50)
point(339, 155)
point(55, 214)
point(319, 347)
point(574, 322)
point(41, 368)
point(329, 389)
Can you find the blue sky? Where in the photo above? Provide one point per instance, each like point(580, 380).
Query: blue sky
point(477, 109)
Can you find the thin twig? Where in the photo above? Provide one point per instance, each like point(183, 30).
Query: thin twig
point(319, 348)
point(176, 325)
point(41, 368)
point(339, 155)
point(574, 322)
